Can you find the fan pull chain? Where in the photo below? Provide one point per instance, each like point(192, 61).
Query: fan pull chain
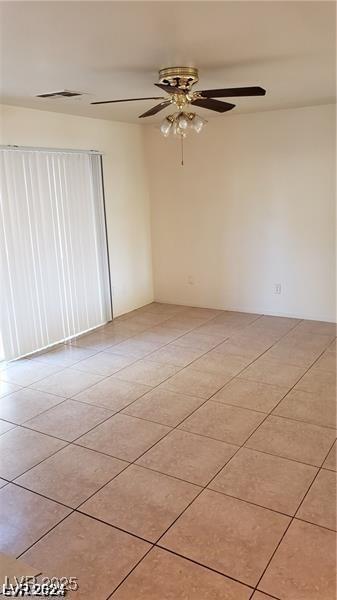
point(182, 150)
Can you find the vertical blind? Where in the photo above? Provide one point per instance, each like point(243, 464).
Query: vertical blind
point(54, 264)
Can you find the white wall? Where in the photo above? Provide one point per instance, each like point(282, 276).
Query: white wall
point(253, 206)
point(126, 191)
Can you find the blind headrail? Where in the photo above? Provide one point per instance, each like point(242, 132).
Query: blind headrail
point(41, 149)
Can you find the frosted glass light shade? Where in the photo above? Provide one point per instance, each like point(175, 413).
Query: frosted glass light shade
point(165, 127)
point(198, 123)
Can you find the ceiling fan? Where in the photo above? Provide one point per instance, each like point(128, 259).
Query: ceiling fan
point(178, 82)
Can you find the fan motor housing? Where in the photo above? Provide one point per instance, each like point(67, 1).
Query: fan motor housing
point(180, 77)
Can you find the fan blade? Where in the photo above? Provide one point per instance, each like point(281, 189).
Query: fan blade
point(156, 109)
point(128, 100)
point(170, 89)
point(213, 104)
point(233, 92)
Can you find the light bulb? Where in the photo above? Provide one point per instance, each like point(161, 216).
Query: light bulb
point(165, 127)
point(183, 121)
point(176, 128)
point(198, 123)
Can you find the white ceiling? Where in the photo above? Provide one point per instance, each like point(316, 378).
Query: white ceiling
point(111, 50)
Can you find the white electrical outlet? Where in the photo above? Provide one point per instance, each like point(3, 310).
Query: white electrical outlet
point(277, 288)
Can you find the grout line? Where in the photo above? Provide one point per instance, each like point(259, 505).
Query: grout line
point(305, 495)
point(172, 524)
point(171, 429)
point(290, 523)
point(189, 560)
point(129, 572)
point(74, 442)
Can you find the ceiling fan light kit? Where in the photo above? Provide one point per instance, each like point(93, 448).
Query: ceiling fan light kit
point(177, 82)
point(179, 123)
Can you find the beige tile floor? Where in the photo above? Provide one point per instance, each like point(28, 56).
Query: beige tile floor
point(177, 453)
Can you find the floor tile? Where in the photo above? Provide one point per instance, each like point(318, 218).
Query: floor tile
point(293, 439)
point(279, 326)
point(146, 373)
point(317, 327)
point(104, 363)
point(162, 308)
point(188, 456)
point(26, 372)
point(175, 355)
point(185, 323)
point(66, 383)
point(303, 567)
point(273, 372)
point(222, 422)
point(298, 349)
point(113, 394)
point(91, 548)
point(332, 346)
point(196, 383)
point(265, 336)
point(250, 394)
point(5, 364)
point(72, 475)
point(246, 534)
point(227, 364)
point(124, 437)
point(68, 420)
point(25, 404)
point(135, 348)
point(25, 517)
point(22, 449)
point(141, 502)
point(119, 332)
point(99, 340)
point(163, 406)
point(202, 313)
point(330, 461)
point(198, 360)
point(184, 327)
point(298, 338)
point(162, 575)
point(5, 426)
point(7, 388)
point(160, 334)
point(126, 328)
point(319, 506)
point(291, 356)
point(198, 341)
point(148, 319)
point(220, 330)
point(64, 355)
point(269, 481)
point(309, 407)
point(243, 346)
point(327, 362)
point(318, 382)
point(236, 318)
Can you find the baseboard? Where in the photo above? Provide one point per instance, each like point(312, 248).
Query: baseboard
point(254, 310)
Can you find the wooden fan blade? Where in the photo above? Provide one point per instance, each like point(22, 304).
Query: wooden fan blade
point(128, 100)
point(170, 89)
point(156, 109)
point(211, 104)
point(233, 92)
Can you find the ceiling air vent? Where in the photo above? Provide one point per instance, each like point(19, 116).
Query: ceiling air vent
point(62, 94)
